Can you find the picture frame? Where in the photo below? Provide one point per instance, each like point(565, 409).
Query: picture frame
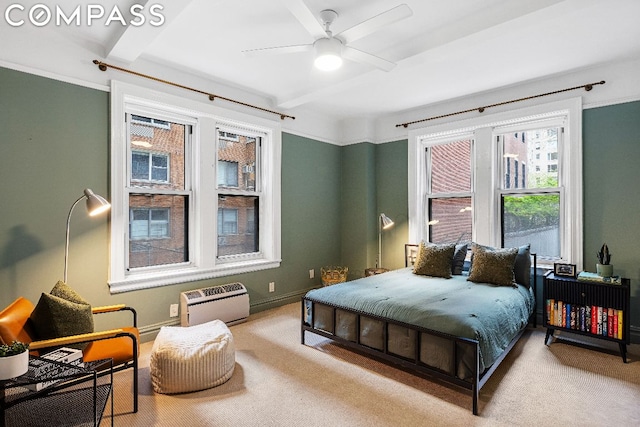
point(566, 270)
point(410, 254)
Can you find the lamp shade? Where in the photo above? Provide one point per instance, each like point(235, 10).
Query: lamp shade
point(96, 204)
point(385, 221)
point(328, 54)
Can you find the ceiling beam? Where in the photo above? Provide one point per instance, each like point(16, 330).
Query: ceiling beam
point(132, 41)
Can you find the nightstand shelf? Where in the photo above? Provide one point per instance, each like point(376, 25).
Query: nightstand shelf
point(593, 309)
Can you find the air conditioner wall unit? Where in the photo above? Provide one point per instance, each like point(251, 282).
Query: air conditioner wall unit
point(229, 303)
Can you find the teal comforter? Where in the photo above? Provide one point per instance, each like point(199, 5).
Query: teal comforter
point(490, 314)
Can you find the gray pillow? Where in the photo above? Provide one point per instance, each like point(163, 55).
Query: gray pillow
point(522, 268)
point(494, 266)
point(434, 260)
point(459, 255)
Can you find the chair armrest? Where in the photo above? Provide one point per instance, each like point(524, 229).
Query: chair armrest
point(75, 339)
point(107, 308)
point(115, 308)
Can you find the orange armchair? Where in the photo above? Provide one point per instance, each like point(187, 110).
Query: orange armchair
point(121, 345)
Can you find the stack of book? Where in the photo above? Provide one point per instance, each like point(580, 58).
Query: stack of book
point(602, 321)
point(44, 370)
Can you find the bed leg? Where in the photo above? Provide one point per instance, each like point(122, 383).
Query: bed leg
point(475, 399)
point(475, 387)
point(302, 323)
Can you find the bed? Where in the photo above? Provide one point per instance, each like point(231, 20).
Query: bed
point(453, 328)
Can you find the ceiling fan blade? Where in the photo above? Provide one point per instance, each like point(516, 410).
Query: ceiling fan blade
point(308, 20)
point(278, 50)
point(372, 24)
point(366, 58)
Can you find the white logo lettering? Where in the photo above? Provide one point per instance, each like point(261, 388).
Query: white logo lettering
point(68, 19)
point(135, 11)
point(116, 15)
point(160, 16)
point(7, 15)
point(39, 15)
point(94, 11)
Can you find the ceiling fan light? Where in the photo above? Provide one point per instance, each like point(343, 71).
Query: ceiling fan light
point(328, 54)
point(328, 62)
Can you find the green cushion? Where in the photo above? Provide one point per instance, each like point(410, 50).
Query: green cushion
point(493, 266)
point(61, 313)
point(434, 260)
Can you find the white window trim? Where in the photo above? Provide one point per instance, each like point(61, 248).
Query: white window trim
point(206, 118)
point(486, 197)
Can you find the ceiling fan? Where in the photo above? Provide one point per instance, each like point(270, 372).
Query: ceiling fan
point(331, 49)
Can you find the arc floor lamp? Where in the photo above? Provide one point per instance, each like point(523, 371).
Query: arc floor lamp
point(95, 205)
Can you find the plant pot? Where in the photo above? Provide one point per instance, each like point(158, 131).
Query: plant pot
point(14, 366)
point(604, 270)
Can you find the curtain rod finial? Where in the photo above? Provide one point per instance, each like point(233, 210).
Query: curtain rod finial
point(101, 65)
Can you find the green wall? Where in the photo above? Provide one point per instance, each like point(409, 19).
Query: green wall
point(55, 143)
point(358, 208)
point(611, 138)
point(393, 199)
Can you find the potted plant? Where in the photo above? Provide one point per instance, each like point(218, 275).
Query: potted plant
point(14, 360)
point(604, 267)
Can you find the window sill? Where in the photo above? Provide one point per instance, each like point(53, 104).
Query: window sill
point(158, 278)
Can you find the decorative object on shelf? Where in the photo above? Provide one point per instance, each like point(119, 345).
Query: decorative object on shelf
point(567, 270)
point(14, 360)
point(586, 276)
point(383, 223)
point(333, 274)
point(95, 205)
point(604, 267)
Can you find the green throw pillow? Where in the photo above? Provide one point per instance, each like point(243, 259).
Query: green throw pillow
point(493, 266)
point(434, 260)
point(61, 313)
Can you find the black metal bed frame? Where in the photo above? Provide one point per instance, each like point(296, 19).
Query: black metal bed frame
point(478, 380)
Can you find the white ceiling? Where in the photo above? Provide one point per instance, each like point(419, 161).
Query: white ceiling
point(446, 49)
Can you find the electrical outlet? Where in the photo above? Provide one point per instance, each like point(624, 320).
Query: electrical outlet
point(312, 273)
point(173, 310)
point(272, 286)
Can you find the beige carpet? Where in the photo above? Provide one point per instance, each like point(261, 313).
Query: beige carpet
point(279, 382)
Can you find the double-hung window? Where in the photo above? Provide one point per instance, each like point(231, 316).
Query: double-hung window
point(195, 190)
point(505, 180)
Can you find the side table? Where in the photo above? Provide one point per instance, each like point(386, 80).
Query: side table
point(70, 401)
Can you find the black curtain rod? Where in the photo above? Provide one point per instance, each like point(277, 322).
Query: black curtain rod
point(103, 67)
point(586, 87)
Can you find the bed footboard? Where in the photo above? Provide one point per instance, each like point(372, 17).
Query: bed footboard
point(435, 354)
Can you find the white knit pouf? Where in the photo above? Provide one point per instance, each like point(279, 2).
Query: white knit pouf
point(192, 358)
